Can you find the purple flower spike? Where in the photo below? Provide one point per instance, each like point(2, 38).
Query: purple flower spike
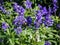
point(4, 26)
point(28, 4)
point(18, 30)
point(47, 43)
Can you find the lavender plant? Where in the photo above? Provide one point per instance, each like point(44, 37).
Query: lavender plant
point(29, 24)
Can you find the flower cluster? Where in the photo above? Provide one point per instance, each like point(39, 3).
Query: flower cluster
point(48, 21)
point(20, 19)
point(43, 16)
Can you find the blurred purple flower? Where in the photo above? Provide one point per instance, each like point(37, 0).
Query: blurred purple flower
point(48, 21)
point(55, 7)
point(28, 4)
point(2, 9)
point(40, 6)
point(38, 19)
point(44, 10)
point(1, 1)
point(18, 9)
point(58, 26)
point(54, 1)
point(4, 26)
point(19, 20)
point(47, 43)
point(18, 30)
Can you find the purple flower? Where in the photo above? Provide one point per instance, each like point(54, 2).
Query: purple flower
point(47, 43)
point(54, 1)
point(44, 11)
point(18, 30)
point(2, 9)
point(40, 6)
point(50, 10)
point(55, 5)
point(19, 20)
point(4, 26)
point(18, 9)
point(28, 4)
point(58, 26)
point(55, 8)
point(39, 16)
point(36, 24)
point(48, 21)
point(38, 19)
point(29, 20)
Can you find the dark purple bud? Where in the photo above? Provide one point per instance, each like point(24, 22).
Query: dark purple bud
point(29, 20)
